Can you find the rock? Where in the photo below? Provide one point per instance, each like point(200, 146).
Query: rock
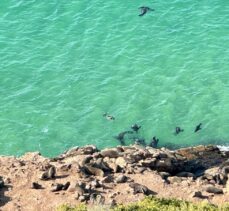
point(111, 153)
point(138, 188)
point(97, 198)
point(94, 171)
point(121, 179)
point(175, 179)
point(35, 185)
point(120, 161)
point(57, 187)
point(212, 189)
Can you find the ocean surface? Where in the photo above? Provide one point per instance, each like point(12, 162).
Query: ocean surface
point(64, 63)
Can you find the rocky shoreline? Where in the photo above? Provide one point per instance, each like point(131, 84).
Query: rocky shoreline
point(112, 176)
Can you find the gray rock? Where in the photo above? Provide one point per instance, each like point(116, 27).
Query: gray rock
point(215, 190)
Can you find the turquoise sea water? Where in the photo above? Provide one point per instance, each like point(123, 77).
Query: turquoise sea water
point(64, 63)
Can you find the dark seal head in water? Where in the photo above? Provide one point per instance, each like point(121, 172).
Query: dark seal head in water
point(178, 130)
point(135, 127)
point(198, 127)
point(144, 10)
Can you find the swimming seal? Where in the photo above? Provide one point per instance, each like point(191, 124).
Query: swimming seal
point(135, 127)
point(198, 127)
point(108, 117)
point(144, 10)
point(121, 135)
point(178, 130)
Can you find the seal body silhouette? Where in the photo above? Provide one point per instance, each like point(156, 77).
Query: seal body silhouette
point(144, 10)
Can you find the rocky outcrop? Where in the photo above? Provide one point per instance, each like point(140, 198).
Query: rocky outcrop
point(85, 174)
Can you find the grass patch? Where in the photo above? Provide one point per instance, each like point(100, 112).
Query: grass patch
point(153, 204)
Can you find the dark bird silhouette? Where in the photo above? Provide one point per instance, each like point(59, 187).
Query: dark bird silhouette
point(198, 127)
point(178, 130)
point(154, 142)
point(108, 117)
point(144, 10)
point(121, 136)
point(135, 127)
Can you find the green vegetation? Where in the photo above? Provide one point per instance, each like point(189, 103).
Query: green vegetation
point(153, 204)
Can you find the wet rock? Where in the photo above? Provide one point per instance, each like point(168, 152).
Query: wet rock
point(138, 188)
point(36, 185)
point(121, 179)
point(215, 190)
point(111, 153)
point(57, 187)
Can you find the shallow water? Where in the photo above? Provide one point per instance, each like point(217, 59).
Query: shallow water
point(63, 64)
